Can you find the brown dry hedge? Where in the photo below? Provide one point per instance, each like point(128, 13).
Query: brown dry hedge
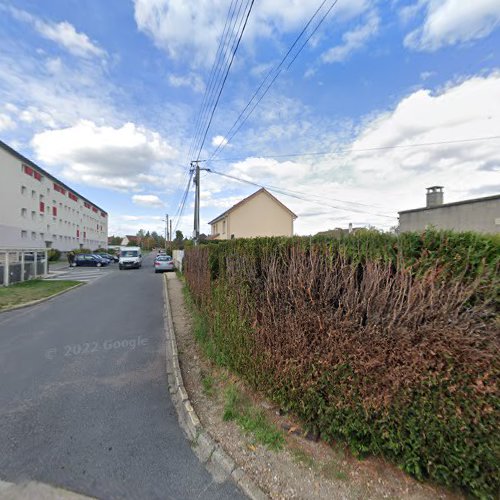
point(389, 343)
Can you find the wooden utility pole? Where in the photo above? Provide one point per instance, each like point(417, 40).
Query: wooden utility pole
point(196, 165)
point(166, 231)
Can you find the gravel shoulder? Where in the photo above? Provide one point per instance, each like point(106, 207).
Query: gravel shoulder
point(304, 468)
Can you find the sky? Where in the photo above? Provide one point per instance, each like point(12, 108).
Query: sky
point(396, 95)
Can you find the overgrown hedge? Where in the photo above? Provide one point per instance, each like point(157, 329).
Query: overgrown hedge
point(389, 343)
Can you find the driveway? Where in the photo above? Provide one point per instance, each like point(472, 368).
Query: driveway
point(84, 402)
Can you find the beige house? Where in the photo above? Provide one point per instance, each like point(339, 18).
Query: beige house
point(260, 214)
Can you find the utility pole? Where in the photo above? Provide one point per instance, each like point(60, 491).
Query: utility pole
point(166, 231)
point(196, 165)
point(171, 238)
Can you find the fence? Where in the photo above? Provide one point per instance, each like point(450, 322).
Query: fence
point(18, 265)
point(178, 257)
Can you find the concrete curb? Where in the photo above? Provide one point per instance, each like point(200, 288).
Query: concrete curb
point(37, 301)
point(34, 490)
point(209, 452)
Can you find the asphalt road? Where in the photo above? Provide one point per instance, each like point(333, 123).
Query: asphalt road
point(84, 403)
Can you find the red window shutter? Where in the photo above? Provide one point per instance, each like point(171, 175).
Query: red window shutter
point(28, 170)
point(54, 211)
point(77, 233)
point(37, 176)
point(42, 206)
point(84, 234)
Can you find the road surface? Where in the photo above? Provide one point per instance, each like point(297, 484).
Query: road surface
point(84, 403)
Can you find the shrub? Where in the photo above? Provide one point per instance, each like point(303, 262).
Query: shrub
point(81, 250)
point(54, 255)
point(389, 343)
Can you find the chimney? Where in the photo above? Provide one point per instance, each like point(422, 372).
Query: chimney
point(350, 227)
point(434, 196)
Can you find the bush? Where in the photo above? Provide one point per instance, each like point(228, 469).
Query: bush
point(390, 343)
point(77, 251)
point(54, 255)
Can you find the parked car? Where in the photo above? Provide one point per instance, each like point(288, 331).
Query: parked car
point(108, 256)
point(30, 257)
point(163, 263)
point(86, 259)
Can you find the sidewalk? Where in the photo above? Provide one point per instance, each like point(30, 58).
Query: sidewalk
point(58, 266)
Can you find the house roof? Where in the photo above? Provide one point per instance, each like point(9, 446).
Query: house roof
point(248, 198)
point(22, 158)
point(453, 204)
point(130, 237)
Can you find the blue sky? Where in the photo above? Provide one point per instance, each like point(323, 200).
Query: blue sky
point(105, 95)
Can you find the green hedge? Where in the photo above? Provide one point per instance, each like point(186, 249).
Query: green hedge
point(389, 343)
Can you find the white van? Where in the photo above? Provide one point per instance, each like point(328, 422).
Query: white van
point(130, 257)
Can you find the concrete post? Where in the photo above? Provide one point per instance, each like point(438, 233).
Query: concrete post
point(46, 264)
point(22, 265)
point(6, 270)
point(35, 263)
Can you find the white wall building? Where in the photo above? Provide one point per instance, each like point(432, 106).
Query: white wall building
point(38, 210)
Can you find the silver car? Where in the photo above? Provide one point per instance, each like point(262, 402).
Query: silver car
point(163, 263)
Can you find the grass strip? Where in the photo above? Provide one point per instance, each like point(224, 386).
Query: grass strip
point(28, 291)
point(252, 420)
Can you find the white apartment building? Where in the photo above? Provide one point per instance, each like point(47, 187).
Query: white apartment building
point(38, 210)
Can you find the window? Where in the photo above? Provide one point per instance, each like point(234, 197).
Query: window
point(33, 235)
point(59, 189)
point(24, 212)
point(28, 170)
point(33, 215)
point(42, 236)
point(33, 194)
point(37, 176)
point(24, 234)
point(54, 211)
point(23, 190)
point(42, 207)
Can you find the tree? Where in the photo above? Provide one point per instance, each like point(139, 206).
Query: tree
point(115, 240)
point(179, 240)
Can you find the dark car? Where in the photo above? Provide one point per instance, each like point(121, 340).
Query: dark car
point(89, 260)
point(108, 256)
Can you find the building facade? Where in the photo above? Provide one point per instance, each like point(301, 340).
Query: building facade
point(480, 214)
point(260, 214)
point(38, 210)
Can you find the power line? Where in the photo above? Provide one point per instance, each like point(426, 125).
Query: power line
point(182, 203)
point(225, 78)
point(216, 68)
point(277, 69)
point(360, 150)
point(299, 193)
point(302, 198)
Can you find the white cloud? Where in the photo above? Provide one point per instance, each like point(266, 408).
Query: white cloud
point(219, 140)
point(353, 40)
point(449, 22)
point(63, 33)
point(165, 22)
point(388, 180)
point(192, 81)
point(119, 158)
point(6, 122)
point(148, 200)
point(425, 75)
